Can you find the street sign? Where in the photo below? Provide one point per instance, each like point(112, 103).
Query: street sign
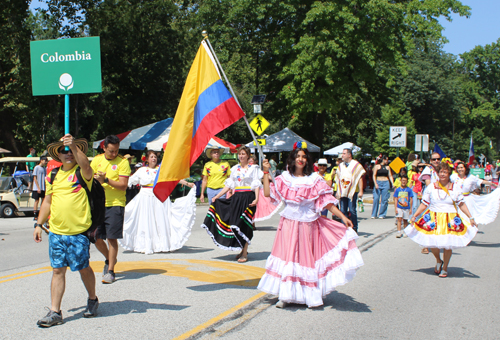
point(397, 136)
point(397, 164)
point(261, 141)
point(259, 124)
point(422, 143)
point(66, 66)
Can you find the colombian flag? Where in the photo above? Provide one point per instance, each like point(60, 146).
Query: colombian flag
point(205, 109)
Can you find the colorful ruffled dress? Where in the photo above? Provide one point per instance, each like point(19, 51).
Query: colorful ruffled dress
point(151, 226)
point(440, 225)
point(484, 208)
point(229, 220)
point(311, 254)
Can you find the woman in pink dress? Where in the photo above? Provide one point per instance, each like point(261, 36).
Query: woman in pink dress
point(311, 254)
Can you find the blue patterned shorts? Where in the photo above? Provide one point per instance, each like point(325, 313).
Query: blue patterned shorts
point(69, 250)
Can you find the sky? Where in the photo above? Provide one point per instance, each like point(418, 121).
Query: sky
point(482, 28)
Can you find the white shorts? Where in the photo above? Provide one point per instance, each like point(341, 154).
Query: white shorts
point(404, 213)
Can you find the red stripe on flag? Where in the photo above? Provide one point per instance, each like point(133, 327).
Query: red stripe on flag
point(217, 120)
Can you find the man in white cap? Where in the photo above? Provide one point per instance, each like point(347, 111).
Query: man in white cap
point(350, 186)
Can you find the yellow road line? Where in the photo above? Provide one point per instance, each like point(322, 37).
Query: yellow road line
point(20, 276)
point(219, 317)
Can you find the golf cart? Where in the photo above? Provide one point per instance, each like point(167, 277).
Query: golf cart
point(15, 196)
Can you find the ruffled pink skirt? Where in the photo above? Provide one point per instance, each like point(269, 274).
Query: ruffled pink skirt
point(310, 259)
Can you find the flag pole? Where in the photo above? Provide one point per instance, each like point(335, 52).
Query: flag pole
point(205, 35)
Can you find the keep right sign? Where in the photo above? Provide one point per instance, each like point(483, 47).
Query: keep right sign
point(397, 136)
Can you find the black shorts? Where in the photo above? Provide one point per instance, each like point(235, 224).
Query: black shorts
point(112, 227)
point(35, 195)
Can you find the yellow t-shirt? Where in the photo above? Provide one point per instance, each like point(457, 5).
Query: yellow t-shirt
point(216, 174)
point(332, 176)
point(70, 209)
point(114, 169)
point(327, 176)
point(397, 183)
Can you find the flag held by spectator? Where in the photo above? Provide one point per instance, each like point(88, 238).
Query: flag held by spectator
point(471, 152)
point(438, 150)
point(206, 108)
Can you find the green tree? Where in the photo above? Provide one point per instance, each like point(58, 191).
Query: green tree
point(14, 72)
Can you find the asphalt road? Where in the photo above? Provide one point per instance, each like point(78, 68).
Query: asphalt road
point(199, 291)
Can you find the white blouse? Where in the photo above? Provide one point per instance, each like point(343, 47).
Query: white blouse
point(469, 184)
point(305, 197)
point(144, 176)
point(240, 177)
point(439, 201)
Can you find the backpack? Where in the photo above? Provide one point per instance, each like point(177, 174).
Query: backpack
point(97, 202)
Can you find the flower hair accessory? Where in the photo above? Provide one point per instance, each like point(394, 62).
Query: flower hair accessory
point(300, 145)
point(448, 161)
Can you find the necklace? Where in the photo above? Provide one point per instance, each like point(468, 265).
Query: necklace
point(439, 192)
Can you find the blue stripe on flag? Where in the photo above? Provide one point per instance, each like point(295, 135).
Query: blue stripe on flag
point(212, 97)
point(152, 134)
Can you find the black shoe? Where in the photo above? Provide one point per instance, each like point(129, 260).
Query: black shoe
point(91, 310)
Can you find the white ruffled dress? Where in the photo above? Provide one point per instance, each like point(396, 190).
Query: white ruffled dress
point(311, 254)
point(484, 208)
point(151, 226)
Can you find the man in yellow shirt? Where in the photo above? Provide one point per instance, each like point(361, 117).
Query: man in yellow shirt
point(112, 171)
point(214, 174)
point(67, 203)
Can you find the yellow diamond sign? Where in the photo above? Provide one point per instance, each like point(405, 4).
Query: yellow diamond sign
point(259, 124)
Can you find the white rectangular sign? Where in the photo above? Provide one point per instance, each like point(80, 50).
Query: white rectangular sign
point(397, 136)
point(422, 143)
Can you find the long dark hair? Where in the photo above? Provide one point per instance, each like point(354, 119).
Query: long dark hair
point(290, 162)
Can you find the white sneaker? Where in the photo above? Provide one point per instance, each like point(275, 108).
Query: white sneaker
point(281, 304)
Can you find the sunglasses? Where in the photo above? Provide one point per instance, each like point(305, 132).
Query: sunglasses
point(64, 151)
point(321, 164)
point(435, 159)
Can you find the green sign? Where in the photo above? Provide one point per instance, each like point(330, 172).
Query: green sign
point(66, 66)
point(478, 172)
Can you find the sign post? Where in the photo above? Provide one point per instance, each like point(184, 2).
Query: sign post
point(421, 144)
point(64, 67)
point(397, 137)
point(259, 124)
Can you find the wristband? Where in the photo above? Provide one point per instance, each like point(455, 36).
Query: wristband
point(266, 172)
point(38, 225)
point(106, 180)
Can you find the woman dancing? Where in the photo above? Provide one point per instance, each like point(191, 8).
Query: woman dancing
point(311, 254)
point(484, 208)
point(441, 225)
point(151, 226)
point(229, 220)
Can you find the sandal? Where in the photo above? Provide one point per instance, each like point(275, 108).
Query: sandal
point(243, 259)
point(444, 273)
point(425, 251)
point(440, 268)
point(238, 257)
